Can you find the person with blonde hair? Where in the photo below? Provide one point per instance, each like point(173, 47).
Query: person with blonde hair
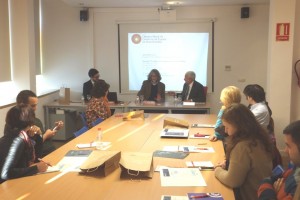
point(229, 95)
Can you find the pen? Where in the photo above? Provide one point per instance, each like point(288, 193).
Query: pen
point(199, 196)
point(45, 162)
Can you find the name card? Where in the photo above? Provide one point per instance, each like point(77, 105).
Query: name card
point(188, 103)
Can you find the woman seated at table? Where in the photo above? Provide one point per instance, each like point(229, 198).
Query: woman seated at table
point(17, 153)
point(152, 89)
point(248, 153)
point(256, 98)
point(258, 105)
point(98, 106)
point(229, 95)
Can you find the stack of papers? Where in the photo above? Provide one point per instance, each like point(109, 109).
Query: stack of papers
point(191, 149)
point(181, 177)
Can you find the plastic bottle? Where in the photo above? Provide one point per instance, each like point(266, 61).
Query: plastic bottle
point(99, 139)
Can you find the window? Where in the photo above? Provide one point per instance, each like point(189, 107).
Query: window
point(5, 66)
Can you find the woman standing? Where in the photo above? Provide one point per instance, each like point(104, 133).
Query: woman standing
point(248, 153)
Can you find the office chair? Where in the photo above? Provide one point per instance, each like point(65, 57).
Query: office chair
point(83, 118)
point(81, 131)
point(205, 88)
point(97, 121)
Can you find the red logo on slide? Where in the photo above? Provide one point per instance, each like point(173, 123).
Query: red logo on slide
point(136, 38)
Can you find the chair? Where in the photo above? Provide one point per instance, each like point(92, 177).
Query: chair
point(205, 88)
point(83, 118)
point(96, 122)
point(81, 131)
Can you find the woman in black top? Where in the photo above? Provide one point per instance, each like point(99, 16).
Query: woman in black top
point(18, 157)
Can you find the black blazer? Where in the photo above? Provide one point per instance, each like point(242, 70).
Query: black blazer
point(196, 93)
point(87, 88)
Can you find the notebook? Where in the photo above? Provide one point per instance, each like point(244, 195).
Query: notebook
point(174, 133)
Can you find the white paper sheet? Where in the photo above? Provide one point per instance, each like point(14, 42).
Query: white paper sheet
point(199, 164)
point(181, 177)
point(191, 149)
point(71, 164)
point(170, 197)
point(92, 144)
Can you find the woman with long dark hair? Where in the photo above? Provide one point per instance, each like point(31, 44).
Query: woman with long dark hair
point(17, 152)
point(248, 152)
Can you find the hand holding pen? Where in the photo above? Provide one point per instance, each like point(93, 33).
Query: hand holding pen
point(47, 163)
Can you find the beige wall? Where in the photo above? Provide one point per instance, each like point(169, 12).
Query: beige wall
point(45, 99)
point(295, 111)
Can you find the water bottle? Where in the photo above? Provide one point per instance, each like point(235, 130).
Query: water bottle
point(99, 139)
point(137, 100)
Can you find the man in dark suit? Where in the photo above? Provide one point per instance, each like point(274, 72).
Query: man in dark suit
point(192, 90)
point(87, 86)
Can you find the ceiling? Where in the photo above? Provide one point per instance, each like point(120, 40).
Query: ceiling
point(157, 3)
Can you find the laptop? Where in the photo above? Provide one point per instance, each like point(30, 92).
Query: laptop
point(174, 133)
point(112, 96)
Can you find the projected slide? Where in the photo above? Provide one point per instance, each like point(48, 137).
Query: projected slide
point(171, 53)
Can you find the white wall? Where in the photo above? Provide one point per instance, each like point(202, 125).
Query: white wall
point(71, 46)
point(66, 47)
point(43, 100)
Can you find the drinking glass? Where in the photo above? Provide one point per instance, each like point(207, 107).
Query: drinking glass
point(179, 98)
point(142, 99)
point(88, 97)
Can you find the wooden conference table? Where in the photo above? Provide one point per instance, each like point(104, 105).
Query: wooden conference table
point(133, 136)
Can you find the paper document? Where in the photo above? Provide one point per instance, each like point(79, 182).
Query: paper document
point(50, 169)
point(191, 149)
point(92, 144)
point(175, 133)
point(203, 126)
point(181, 177)
point(205, 196)
point(72, 160)
point(169, 197)
point(200, 164)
